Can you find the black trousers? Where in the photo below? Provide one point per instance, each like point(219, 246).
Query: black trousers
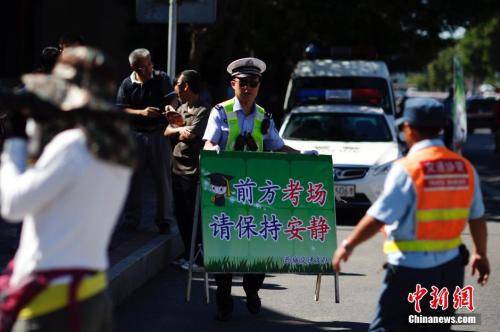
point(393, 306)
point(154, 153)
point(251, 284)
point(184, 187)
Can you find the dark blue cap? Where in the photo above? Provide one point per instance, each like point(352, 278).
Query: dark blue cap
point(423, 112)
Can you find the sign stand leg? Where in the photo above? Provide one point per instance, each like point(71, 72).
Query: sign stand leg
point(207, 289)
point(318, 287)
point(337, 293)
point(193, 243)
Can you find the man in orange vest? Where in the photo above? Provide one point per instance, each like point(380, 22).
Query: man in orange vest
point(428, 197)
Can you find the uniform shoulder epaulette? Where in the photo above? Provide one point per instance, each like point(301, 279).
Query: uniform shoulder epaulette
point(219, 107)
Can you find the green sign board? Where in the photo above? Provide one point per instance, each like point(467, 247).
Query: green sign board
point(267, 212)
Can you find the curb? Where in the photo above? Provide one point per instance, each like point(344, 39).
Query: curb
point(142, 265)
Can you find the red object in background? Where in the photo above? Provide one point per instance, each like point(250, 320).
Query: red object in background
point(372, 96)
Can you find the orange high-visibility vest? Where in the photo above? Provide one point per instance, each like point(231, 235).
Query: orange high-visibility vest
point(444, 185)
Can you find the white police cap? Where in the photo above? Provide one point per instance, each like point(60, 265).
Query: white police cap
point(246, 67)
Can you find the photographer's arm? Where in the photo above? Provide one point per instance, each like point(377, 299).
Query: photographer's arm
point(23, 192)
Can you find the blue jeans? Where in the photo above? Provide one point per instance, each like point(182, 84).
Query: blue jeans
point(393, 307)
point(154, 153)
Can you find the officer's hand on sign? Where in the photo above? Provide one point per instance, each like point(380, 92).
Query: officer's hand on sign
point(310, 152)
point(482, 266)
point(215, 148)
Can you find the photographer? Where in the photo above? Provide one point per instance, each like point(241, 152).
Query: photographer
point(68, 201)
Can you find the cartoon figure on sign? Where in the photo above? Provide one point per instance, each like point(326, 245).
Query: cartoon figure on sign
point(219, 184)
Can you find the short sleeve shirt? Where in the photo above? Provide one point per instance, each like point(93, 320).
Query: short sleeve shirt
point(186, 153)
point(396, 208)
point(136, 95)
point(218, 129)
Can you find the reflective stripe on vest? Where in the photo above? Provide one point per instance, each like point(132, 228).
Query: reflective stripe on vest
point(395, 246)
point(56, 296)
point(442, 214)
point(234, 128)
point(444, 185)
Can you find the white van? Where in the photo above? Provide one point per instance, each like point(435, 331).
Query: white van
point(346, 82)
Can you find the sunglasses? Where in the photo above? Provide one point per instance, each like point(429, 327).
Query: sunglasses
point(253, 83)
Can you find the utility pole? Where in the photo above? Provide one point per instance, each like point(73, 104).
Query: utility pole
point(172, 38)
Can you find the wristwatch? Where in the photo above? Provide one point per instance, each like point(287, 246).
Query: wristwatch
point(345, 244)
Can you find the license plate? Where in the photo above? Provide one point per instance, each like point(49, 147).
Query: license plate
point(343, 190)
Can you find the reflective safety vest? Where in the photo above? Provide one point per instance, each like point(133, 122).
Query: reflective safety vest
point(234, 128)
point(444, 185)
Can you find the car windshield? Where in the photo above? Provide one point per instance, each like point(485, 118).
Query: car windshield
point(370, 91)
point(344, 127)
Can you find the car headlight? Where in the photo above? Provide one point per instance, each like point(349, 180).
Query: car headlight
point(382, 169)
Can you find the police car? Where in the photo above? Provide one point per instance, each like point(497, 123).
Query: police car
point(327, 81)
point(360, 139)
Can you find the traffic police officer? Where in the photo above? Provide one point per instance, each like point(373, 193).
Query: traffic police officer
point(241, 124)
point(428, 197)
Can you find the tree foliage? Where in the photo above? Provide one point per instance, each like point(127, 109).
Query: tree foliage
point(440, 71)
point(405, 34)
point(478, 51)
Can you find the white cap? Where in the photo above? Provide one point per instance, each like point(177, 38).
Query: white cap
point(246, 67)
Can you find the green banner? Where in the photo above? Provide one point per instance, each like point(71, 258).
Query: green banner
point(267, 212)
point(458, 110)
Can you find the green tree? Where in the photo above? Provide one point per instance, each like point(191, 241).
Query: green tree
point(418, 80)
point(440, 71)
point(480, 50)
